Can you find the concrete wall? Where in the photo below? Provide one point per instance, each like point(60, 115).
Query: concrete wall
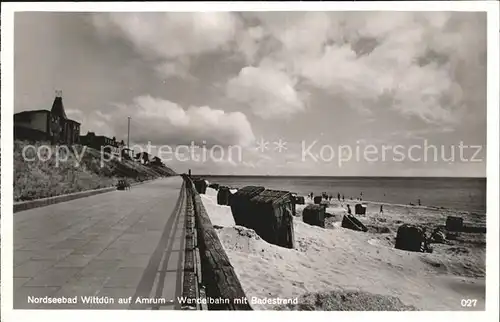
point(25, 205)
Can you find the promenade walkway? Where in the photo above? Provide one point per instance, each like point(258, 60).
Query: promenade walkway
point(103, 250)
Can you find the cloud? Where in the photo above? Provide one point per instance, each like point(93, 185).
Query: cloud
point(163, 122)
point(169, 37)
point(411, 63)
point(74, 114)
point(249, 42)
point(269, 93)
point(178, 69)
point(422, 134)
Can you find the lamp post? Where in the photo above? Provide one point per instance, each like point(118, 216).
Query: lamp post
point(128, 134)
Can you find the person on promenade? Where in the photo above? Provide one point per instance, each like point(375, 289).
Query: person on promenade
point(381, 209)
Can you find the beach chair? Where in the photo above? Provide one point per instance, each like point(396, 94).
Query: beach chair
point(351, 222)
point(201, 186)
point(241, 206)
point(314, 215)
point(272, 219)
point(412, 238)
point(360, 209)
point(223, 196)
point(454, 223)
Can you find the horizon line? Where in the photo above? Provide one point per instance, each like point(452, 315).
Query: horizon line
point(334, 176)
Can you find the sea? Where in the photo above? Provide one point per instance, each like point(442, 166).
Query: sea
point(463, 194)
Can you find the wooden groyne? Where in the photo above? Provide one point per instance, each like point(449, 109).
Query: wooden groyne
point(219, 282)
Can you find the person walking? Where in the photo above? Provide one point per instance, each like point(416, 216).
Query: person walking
point(381, 209)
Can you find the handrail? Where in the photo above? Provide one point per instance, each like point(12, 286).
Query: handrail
point(223, 288)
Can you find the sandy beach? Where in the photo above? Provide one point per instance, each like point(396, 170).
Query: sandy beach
point(335, 259)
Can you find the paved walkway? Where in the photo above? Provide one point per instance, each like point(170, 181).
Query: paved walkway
point(105, 248)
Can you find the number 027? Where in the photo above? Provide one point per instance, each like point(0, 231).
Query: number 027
point(468, 302)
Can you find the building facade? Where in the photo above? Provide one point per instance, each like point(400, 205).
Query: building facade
point(53, 125)
point(103, 143)
point(143, 158)
point(127, 153)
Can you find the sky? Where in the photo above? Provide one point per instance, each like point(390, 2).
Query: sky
point(269, 93)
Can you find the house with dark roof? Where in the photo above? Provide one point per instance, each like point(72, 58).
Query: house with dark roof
point(103, 143)
point(53, 125)
point(157, 161)
point(127, 153)
point(143, 158)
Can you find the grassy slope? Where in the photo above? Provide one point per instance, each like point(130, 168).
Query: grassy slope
point(41, 179)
